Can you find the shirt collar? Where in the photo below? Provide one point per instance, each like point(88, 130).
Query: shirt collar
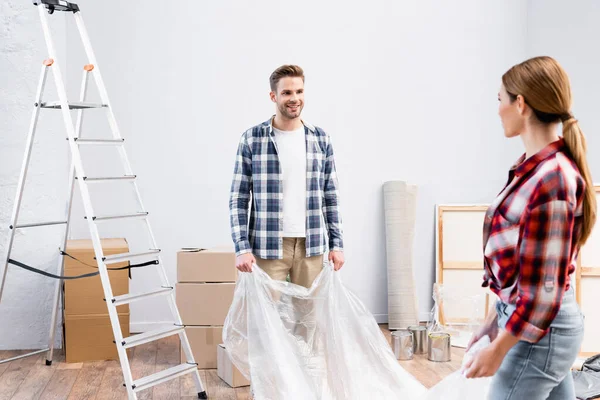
point(523, 166)
point(268, 125)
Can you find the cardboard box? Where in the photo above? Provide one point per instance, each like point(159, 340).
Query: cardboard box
point(227, 371)
point(206, 265)
point(86, 296)
point(204, 341)
point(204, 303)
point(90, 337)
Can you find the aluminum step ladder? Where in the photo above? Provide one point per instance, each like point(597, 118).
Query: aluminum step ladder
point(77, 174)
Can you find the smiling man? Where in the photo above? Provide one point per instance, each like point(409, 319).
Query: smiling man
point(285, 166)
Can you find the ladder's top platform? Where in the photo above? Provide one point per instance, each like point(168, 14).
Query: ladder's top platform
point(57, 5)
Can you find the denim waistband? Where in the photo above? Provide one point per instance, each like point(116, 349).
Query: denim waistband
point(505, 310)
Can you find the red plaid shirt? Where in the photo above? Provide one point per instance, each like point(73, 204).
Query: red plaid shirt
point(530, 238)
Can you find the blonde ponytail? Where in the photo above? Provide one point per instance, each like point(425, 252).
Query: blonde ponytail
point(575, 141)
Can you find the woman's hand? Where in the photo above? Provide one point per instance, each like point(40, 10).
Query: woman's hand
point(489, 327)
point(485, 363)
point(488, 360)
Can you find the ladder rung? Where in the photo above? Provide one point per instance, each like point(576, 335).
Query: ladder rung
point(130, 298)
point(109, 178)
point(123, 216)
point(117, 258)
point(98, 141)
point(19, 226)
point(162, 376)
point(73, 105)
point(151, 336)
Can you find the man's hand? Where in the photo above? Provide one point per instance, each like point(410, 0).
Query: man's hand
point(244, 262)
point(337, 258)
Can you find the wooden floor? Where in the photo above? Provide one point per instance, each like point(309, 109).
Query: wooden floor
point(30, 378)
point(428, 372)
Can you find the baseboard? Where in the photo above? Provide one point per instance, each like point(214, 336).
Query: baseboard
point(383, 318)
point(141, 327)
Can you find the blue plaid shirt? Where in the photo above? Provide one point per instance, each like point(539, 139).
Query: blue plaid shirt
point(257, 171)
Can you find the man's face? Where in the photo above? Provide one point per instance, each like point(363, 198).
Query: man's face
point(289, 97)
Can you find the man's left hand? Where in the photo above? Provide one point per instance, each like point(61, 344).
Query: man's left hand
point(337, 258)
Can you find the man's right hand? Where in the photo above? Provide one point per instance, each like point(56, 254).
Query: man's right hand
point(244, 262)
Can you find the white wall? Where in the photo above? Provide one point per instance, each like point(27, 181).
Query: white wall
point(22, 50)
point(570, 34)
point(406, 90)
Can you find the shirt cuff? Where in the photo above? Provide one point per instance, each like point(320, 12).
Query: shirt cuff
point(242, 247)
point(336, 243)
point(524, 330)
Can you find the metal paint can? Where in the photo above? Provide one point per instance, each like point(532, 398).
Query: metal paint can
point(402, 344)
point(419, 339)
point(438, 348)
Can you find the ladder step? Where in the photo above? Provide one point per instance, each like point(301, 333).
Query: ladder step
point(162, 376)
point(123, 216)
point(73, 105)
point(130, 298)
point(19, 226)
point(109, 178)
point(117, 258)
point(98, 141)
point(151, 336)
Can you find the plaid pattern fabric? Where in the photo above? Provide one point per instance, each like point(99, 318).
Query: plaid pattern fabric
point(257, 173)
point(530, 238)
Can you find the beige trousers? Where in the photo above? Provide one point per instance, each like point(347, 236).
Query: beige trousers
point(303, 270)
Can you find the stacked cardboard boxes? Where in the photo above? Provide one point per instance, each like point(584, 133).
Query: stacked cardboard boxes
point(88, 332)
point(205, 285)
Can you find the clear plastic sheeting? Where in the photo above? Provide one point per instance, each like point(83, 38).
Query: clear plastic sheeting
point(319, 343)
point(315, 344)
point(457, 314)
point(457, 387)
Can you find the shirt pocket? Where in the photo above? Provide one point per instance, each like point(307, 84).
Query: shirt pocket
point(503, 238)
point(318, 161)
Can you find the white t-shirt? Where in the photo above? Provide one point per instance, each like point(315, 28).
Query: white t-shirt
point(291, 146)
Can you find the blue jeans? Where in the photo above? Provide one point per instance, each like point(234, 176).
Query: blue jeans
point(541, 371)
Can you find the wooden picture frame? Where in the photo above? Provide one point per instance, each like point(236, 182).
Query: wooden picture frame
point(587, 288)
point(587, 276)
point(459, 258)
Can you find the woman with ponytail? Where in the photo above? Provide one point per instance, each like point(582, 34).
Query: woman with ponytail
point(532, 235)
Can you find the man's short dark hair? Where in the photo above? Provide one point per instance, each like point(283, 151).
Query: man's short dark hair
point(285, 71)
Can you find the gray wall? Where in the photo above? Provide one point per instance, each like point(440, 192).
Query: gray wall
point(570, 34)
point(26, 304)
